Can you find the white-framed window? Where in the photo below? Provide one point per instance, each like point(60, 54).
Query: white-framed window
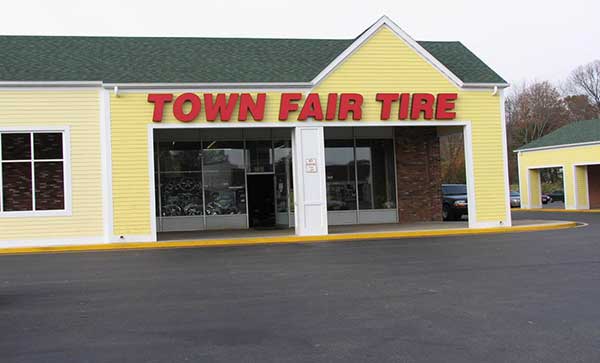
point(34, 172)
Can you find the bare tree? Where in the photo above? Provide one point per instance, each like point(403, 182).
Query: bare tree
point(532, 111)
point(585, 80)
point(452, 154)
point(580, 108)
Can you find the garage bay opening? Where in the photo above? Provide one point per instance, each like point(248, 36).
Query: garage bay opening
point(386, 174)
point(546, 187)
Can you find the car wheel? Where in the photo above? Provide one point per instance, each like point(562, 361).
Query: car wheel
point(447, 214)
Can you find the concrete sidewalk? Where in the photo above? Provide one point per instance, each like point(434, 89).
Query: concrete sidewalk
point(337, 230)
point(341, 233)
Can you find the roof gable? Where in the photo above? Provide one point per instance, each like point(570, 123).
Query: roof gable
point(573, 133)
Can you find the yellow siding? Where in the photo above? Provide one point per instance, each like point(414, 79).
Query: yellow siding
point(384, 64)
point(80, 110)
point(566, 157)
point(582, 191)
point(536, 191)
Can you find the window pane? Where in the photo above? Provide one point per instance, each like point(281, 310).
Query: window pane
point(181, 194)
point(365, 182)
point(180, 156)
point(49, 186)
point(339, 165)
point(283, 153)
point(16, 146)
point(376, 176)
point(224, 177)
point(47, 146)
point(180, 178)
point(259, 156)
point(16, 186)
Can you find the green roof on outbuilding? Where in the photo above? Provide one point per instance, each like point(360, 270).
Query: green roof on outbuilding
point(573, 133)
point(196, 60)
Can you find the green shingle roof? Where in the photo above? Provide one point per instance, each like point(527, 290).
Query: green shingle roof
point(195, 60)
point(573, 133)
point(462, 62)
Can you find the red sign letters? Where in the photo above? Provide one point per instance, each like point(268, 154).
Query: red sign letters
point(187, 107)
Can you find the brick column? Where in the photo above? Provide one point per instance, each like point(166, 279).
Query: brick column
point(418, 174)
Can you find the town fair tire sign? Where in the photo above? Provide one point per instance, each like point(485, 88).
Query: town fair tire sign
point(188, 107)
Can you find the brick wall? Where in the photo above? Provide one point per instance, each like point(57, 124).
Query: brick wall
point(594, 185)
point(419, 174)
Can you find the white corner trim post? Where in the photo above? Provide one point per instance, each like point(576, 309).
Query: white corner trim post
point(508, 221)
point(310, 193)
point(468, 146)
point(106, 156)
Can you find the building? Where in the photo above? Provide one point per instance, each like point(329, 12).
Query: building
point(110, 139)
point(575, 148)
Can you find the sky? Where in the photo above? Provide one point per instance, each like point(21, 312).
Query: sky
point(523, 40)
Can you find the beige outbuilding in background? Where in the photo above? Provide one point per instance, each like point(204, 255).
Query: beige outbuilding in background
point(576, 149)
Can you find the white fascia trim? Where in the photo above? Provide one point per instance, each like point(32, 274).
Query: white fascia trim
point(589, 143)
point(208, 90)
point(486, 85)
point(218, 85)
point(385, 21)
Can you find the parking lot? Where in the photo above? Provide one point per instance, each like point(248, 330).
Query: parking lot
point(527, 297)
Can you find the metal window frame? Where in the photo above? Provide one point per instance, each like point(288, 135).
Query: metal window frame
point(395, 184)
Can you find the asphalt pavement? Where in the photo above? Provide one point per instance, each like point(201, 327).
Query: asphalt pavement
point(523, 297)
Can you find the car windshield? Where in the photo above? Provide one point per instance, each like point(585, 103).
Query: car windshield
point(454, 189)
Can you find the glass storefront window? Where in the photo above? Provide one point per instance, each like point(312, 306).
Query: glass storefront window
point(340, 174)
point(180, 178)
point(259, 157)
point(180, 156)
point(224, 177)
point(205, 175)
point(375, 172)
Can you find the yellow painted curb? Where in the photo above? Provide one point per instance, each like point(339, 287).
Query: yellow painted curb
point(285, 239)
point(557, 210)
